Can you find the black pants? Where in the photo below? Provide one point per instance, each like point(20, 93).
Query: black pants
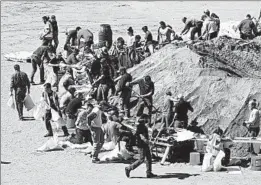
point(246, 36)
point(37, 62)
point(47, 121)
point(212, 35)
point(145, 102)
point(144, 153)
point(253, 133)
point(83, 136)
point(125, 97)
point(19, 99)
point(102, 93)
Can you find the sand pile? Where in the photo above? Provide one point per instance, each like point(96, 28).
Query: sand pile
point(219, 98)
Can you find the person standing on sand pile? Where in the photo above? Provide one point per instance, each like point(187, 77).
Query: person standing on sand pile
point(55, 32)
point(253, 123)
point(47, 35)
point(39, 55)
point(210, 28)
point(148, 40)
point(164, 34)
point(247, 28)
point(19, 83)
point(146, 93)
point(167, 111)
point(194, 24)
point(124, 90)
point(142, 136)
point(51, 98)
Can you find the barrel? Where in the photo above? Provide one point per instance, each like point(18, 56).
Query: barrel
point(256, 163)
point(194, 158)
point(105, 35)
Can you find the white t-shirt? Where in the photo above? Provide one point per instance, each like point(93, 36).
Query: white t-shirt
point(130, 41)
point(97, 121)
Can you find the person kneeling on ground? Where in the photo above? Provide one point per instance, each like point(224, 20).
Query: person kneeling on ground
point(142, 136)
point(51, 98)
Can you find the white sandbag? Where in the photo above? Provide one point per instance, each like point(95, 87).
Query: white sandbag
point(207, 164)
point(116, 154)
point(28, 102)
point(108, 146)
point(76, 146)
point(51, 77)
point(217, 163)
point(55, 115)
point(39, 110)
point(184, 135)
point(51, 144)
point(11, 102)
point(18, 56)
point(60, 123)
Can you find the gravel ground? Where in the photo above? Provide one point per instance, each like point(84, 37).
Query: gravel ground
point(20, 25)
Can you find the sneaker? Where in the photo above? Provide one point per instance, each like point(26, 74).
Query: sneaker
point(48, 135)
point(127, 172)
point(151, 175)
point(96, 160)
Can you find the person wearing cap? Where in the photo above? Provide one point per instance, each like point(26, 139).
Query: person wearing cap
point(105, 82)
point(194, 24)
point(124, 90)
point(55, 31)
point(51, 99)
point(148, 39)
point(253, 123)
point(167, 111)
point(47, 35)
point(247, 28)
point(131, 37)
point(142, 135)
point(146, 93)
point(20, 85)
point(37, 59)
point(181, 109)
point(72, 59)
point(164, 33)
point(86, 36)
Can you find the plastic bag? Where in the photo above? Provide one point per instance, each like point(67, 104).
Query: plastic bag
point(108, 146)
point(207, 164)
point(217, 163)
point(11, 102)
point(55, 115)
point(51, 145)
point(39, 110)
point(28, 102)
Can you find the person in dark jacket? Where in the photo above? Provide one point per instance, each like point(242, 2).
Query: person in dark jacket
point(124, 90)
point(55, 31)
point(20, 84)
point(142, 136)
point(247, 28)
point(37, 59)
point(194, 24)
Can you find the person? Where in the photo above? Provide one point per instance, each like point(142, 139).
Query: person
point(65, 100)
point(87, 36)
point(72, 57)
point(65, 82)
point(51, 99)
point(137, 43)
point(37, 58)
point(19, 84)
point(47, 35)
point(57, 60)
point(131, 37)
point(210, 28)
point(125, 91)
point(148, 39)
point(83, 133)
point(71, 39)
point(164, 34)
point(180, 112)
point(214, 17)
point(167, 111)
point(193, 127)
point(55, 31)
point(73, 107)
point(143, 149)
point(105, 82)
point(95, 123)
point(146, 93)
point(194, 24)
point(253, 122)
point(247, 28)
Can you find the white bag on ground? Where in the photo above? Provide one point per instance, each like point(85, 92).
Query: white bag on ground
point(217, 163)
point(207, 164)
point(60, 123)
point(11, 102)
point(28, 102)
point(108, 146)
point(39, 110)
point(51, 144)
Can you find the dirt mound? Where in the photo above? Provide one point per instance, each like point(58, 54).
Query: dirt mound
point(218, 98)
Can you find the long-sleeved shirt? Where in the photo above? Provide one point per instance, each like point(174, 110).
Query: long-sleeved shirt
point(121, 86)
point(72, 35)
point(145, 88)
point(254, 119)
point(209, 26)
point(247, 26)
point(19, 81)
point(40, 51)
point(86, 34)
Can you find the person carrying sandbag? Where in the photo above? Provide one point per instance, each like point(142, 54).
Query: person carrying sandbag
point(20, 84)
